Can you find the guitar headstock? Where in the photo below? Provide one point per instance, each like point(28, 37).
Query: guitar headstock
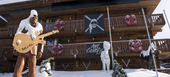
point(55, 31)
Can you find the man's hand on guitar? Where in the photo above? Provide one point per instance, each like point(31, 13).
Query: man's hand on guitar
point(18, 42)
point(39, 54)
point(15, 52)
point(33, 36)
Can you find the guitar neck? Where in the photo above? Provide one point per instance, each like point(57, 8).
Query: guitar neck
point(49, 33)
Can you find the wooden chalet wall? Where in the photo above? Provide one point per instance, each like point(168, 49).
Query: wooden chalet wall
point(121, 48)
point(73, 35)
point(74, 30)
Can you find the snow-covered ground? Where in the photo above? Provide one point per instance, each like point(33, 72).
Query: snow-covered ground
point(99, 73)
point(144, 73)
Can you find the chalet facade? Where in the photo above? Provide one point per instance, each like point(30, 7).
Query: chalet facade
point(73, 38)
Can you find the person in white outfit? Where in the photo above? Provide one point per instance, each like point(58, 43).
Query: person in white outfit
point(29, 25)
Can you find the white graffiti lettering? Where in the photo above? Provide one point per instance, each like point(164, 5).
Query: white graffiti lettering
point(95, 48)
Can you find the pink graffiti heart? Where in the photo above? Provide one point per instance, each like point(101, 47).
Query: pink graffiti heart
point(57, 49)
point(59, 25)
point(135, 45)
point(131, 20)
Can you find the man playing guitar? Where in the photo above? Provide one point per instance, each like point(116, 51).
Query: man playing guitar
point(29, 25)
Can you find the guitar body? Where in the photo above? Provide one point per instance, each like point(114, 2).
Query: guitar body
point(24, 42)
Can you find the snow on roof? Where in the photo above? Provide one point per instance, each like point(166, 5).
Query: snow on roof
point(163, 5)
point(2, 2)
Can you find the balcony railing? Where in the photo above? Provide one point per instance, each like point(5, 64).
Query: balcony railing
point(6, 54)
point(118, 46)
point(163, 45)
point(77, 26)
point(71, 26)
point(121, 47)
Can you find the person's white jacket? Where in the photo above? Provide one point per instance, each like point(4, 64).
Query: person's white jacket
point(25, 23)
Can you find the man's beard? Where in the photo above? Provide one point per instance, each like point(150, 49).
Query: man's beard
point(33, 24)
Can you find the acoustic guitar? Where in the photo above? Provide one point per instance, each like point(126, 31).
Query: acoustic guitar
point(24, 42)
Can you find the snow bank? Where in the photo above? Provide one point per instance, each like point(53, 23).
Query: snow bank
point(99, 73)
point(144, 73)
